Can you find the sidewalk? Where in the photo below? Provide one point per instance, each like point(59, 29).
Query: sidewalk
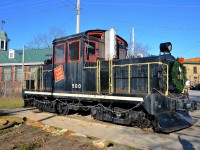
point(120, 134)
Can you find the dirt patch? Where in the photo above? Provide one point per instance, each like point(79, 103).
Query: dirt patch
point(28, 137)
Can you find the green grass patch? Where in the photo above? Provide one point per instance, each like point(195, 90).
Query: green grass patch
point(12, 118)
point(6, 131)
point(29, 146)
point(13, 103)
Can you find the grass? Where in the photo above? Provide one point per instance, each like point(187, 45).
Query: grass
point(12, 118)
point(29, 146)
point(11, 103)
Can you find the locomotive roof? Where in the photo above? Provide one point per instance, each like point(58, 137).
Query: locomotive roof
point(82, 34)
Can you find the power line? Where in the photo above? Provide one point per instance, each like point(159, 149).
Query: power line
point(23, 6)
point(196, 44)
point(141, 24)
point(20, 5)
point(33, 13)
point(62, 1)
point(148, 5)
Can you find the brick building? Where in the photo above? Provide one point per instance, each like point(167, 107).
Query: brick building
point(193, 70)
point(11, 78)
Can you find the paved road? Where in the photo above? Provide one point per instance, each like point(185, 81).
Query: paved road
point(188, 139)
point(194, 95)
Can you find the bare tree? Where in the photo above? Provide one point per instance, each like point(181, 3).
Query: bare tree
point(45, 40)
point(56, 32)
point(141, 49)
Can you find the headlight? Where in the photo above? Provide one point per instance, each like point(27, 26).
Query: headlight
point(166, 47)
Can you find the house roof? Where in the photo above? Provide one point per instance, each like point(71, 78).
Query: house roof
point(3, 35)
point(192, 61)
point(30, 56)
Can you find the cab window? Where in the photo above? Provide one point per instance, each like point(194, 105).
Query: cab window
point(122, 54)
point(90, 51)
point(74, 51)
point(93, 50)
point(101, 50)
point(60, 53)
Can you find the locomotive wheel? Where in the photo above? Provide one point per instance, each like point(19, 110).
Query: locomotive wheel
point(40, 107)
point(62, 109)
point(27, 103)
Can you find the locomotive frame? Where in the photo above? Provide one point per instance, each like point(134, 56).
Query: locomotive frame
point(90, 71)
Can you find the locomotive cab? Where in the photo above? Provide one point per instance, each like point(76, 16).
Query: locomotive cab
point(78, 56)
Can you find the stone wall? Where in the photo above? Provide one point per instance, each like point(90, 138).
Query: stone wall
point(194, 78)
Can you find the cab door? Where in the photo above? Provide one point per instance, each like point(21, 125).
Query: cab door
point(59, 66)
point(93, 50)
point(74, 66)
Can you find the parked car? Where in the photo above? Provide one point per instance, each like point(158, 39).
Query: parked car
point(195, 87)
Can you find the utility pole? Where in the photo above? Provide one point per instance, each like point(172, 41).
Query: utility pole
point(132, 49)
point(78, 17)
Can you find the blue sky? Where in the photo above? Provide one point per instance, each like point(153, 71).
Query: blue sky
point(154, 21)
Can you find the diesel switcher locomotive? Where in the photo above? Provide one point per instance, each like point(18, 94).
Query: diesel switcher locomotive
point(91, 71)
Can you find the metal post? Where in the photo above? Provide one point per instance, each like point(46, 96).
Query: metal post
point(148, 78)
point(23, 67)
point(78, 17)
point(167, 92)
point(111, 88)
point(129, 79)
point(132, 42)
point(98, 82)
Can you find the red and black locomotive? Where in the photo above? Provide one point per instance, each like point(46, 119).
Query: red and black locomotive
point(90, 71)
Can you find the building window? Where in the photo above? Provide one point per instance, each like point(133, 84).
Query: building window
point(74, 51)
point(7, 74)
point(195, 70)
point(31, 70)
point(18, 73)
point(6, 46)
point(11, 54)
point(60, 53)
point(2, 45)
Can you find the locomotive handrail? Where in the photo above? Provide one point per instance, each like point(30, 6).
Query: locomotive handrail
point(98, 73)
point(47, 70)
point(41, 77)
point(110, 76)
point(34, 73)
point(129, 75)
point(137, 64)
point(98, 82)
point(92, 67)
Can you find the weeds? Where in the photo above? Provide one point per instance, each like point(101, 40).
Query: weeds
point(29, 146)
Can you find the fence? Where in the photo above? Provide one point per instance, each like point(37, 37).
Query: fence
point(10, 88)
